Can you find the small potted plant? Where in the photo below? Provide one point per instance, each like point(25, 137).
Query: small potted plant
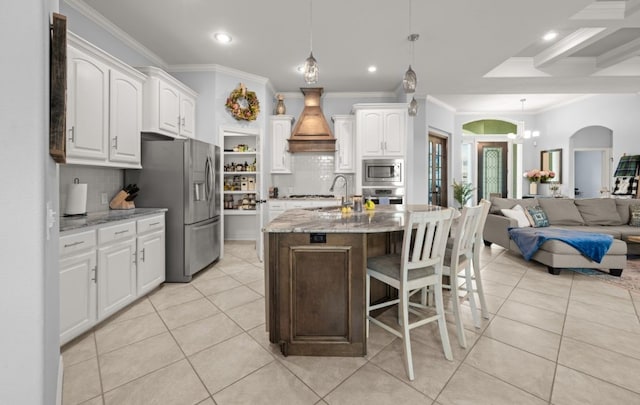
point(462, 193)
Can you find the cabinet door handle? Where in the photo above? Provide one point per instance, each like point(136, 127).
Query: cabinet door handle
point(155, 223)
point(72, 131)
point(121, 232)
point(381, 145)
point(115, 142)
point(73, 244)
point(95, 274)
point(178, 121)
point(142, 254)
point(183, 121)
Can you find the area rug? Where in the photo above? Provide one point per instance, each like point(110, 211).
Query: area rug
point(629, 279)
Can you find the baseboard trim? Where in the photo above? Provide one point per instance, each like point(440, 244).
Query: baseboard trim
point(60, 379)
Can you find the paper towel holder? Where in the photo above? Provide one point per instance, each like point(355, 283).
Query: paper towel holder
point(76, 200)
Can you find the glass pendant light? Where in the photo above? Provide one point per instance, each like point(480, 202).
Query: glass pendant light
point(310, 65)
point(413, 107)
point(410, 80)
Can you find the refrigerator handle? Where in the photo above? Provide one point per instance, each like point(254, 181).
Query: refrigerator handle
point(209, 178)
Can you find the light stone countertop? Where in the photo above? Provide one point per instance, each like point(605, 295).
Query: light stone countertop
point(103, 217)
point(384, 218)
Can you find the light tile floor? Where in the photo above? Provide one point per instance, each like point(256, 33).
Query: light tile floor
point(566, 339)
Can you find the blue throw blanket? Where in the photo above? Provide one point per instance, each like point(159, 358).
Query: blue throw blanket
point(592, 245)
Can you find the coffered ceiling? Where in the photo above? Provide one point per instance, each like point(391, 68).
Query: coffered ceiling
point(476, 56)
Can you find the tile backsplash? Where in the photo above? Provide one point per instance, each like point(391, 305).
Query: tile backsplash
point(98, 179)
point(313, 173)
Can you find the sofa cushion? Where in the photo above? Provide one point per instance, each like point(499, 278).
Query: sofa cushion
point(622, 205)
point(634, 214)
point(613, 230)
point(561, 211)
point(499, 203)
point(599, 211)
point(537, 217)
point(518, 214)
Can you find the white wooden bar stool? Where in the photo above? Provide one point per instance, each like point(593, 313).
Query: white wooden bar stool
point(417, 267)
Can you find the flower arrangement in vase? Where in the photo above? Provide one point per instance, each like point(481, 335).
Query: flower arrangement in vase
point(534, 176)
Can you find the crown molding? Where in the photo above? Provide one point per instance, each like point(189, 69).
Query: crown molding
point(100, 20)
point(433, 100)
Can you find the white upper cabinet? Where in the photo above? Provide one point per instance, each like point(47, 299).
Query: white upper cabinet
point(280, 133)
point(104, 108)
point(87, 107)
point(125, 118)
point(381, 129)
point(344, 131)
point(169, 107)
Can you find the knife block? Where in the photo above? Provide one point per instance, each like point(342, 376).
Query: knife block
point(119, 203)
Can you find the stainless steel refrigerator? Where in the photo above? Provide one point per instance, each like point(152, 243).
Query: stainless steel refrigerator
point(182, 175)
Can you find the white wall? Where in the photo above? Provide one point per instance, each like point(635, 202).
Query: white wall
point(29, 276)
point(618, 112)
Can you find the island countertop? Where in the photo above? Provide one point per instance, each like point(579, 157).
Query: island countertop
point(384, 218)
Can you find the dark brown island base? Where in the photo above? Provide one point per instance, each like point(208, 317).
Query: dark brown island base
point(315, 267)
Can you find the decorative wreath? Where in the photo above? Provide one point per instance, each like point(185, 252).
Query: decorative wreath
point(243, 104)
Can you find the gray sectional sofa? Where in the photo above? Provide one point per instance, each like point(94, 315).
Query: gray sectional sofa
point(601, 215)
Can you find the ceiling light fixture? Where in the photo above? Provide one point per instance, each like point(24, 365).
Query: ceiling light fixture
point(222, 37)
point(372, 69)
point(550, 36)
point(413, 107)
point(528, 134)
point(310, 65)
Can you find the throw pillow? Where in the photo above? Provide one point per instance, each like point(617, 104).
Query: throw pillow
point(599, 211)
point(635, 215)
point(537, 217)
point(561, 211)
point(518, 214)
point(625, 186)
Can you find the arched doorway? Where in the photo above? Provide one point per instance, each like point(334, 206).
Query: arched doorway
point(591, 150)
point(493, 143)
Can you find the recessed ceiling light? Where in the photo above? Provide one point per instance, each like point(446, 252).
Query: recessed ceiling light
point(372, 69)
point(550, 36)
point(222, 37)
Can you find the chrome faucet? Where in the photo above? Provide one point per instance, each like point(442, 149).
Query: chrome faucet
point(344, 199)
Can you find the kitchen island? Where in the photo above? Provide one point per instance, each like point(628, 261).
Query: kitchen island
point(315, 267)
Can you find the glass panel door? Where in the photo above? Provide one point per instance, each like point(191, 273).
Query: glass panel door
point(492, 169)
point(437, 171)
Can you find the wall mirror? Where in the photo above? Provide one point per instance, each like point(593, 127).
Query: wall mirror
point(551, 160)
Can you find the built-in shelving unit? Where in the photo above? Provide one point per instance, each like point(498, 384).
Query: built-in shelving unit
point(241, 178)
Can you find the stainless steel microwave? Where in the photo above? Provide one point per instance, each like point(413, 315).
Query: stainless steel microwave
point(383, 172)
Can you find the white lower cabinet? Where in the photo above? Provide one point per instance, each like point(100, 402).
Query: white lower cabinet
point(104, 269)
point(151, 254)
point(77, 294)
point(116, 276)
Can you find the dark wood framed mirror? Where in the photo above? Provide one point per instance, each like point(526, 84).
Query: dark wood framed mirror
point(551, 160)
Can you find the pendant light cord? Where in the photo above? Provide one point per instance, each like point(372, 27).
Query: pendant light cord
point(311, 25)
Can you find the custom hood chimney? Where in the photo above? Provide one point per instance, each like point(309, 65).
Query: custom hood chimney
point(312, 132)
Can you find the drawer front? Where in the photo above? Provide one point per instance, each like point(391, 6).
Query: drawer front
point(151, 224)
point(76, 242)
point(116, 232)
point(277, 205)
